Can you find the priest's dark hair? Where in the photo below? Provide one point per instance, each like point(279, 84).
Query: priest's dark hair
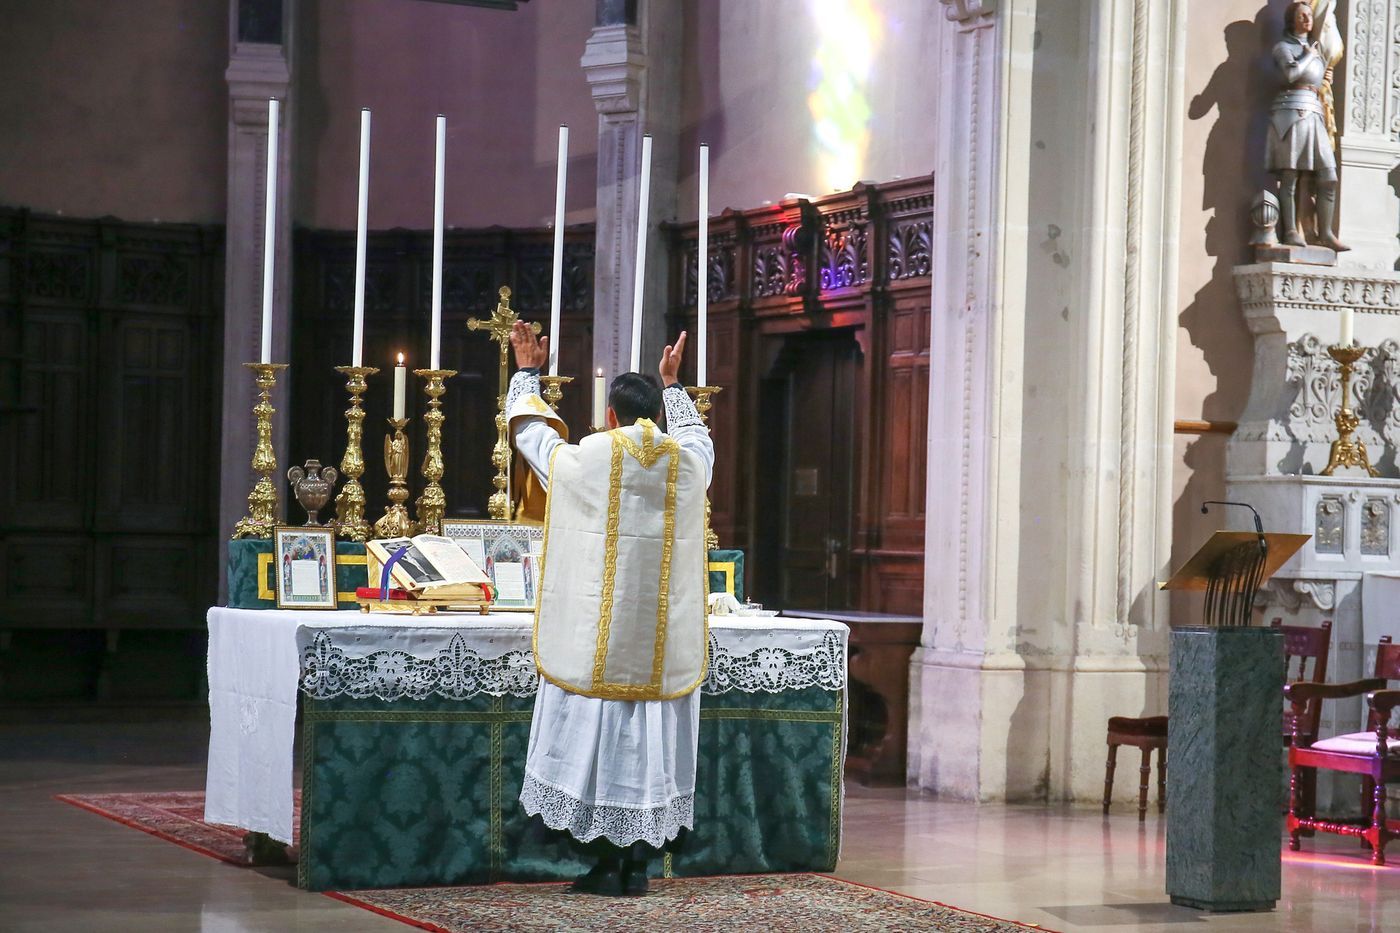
point(634, 396)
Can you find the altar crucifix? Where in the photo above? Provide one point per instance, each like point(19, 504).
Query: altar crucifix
point(498, 329)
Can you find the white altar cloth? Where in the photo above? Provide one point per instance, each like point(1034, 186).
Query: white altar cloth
point(259, 659)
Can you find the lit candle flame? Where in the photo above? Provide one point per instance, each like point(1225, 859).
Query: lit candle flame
point(400, 359)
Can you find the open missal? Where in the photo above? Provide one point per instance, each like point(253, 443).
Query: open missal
point(432, 568)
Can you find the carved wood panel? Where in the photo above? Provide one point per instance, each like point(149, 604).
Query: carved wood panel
point(859, 260)
point(108, 422)
point(398, 292)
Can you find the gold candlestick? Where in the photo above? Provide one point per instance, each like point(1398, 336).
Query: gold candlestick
point(262, 501)
point(1346, 451)
point(701, 395)
point(395, 522)
point(350, 523)
point(554, 389)
point(432, 504)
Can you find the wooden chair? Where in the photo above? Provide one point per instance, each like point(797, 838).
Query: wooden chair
point(1147, 734)
point(1373, 754)
point(1301, 644)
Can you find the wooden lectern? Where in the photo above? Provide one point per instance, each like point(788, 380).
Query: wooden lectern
point(1224, 701)
point(1230, 568)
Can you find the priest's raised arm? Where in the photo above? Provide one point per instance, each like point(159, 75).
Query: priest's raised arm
point(536, 430)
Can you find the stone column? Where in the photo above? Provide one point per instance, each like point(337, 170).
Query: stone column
point(1368, 117)
point(1050, 396)
point(632, 61)
point(260, 43)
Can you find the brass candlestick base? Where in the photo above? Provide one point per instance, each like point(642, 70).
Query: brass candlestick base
point(395, 522)
point(262, 501)
point(350, 524)
point(554, 389)
point(432, 504)
point(702, 397)
point(1346, 451)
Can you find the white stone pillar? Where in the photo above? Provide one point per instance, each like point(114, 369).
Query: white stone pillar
point(633, 69)
point(1049, 459)
point(1368, 117)
point(260, 42)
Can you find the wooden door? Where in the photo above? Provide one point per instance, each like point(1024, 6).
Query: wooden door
point(809, 404)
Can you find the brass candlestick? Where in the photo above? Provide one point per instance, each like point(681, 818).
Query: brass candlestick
point(554, 389)
point(262, 501)
point(498, 328)
point(1346, 451)
point(395, 522)
point(350, 524)
point(432, 504)
point(701, 395)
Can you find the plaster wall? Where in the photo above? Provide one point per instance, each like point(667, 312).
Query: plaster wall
point(505, 81)
point(1229, 83)
point(747, 74)
point(104, 111)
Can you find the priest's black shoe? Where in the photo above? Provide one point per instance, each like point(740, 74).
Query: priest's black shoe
point(634, 869)
point(604, 878)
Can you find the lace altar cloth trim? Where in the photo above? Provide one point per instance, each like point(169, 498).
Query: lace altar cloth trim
point(447, 664)
point(622, 826)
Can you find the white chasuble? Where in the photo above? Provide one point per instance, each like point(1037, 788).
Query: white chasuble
point(622, 612)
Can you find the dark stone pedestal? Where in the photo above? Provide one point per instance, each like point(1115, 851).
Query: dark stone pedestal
point(1223, 821)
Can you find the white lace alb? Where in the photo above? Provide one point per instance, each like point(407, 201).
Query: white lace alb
point(680, 410)
point(621, 826)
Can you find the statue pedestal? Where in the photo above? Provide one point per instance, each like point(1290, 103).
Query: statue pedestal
point(1223, 819)
point(1307, 255)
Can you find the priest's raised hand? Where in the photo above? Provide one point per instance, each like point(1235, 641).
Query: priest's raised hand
point(531, 352)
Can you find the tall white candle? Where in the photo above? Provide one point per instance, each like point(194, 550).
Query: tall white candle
point(435, 356)
point(556, 297)
point(643, 196)
point(400, 386)
point(269, 226)
point(357, 354)
point(702, 268)
point(1346, 327)
point(600, 400)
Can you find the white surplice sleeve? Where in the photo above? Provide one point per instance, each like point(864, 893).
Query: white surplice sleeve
point(535, 439)
point(684, 424)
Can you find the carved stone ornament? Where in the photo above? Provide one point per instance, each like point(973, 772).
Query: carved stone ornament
point(1291, 594)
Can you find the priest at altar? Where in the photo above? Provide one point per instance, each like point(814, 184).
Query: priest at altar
point(620, 629)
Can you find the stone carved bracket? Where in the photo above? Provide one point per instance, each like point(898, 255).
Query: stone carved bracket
point(1316, 380)
point(1291, 594)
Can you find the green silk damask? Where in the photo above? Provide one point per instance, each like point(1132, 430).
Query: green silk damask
point(424, 792)
point(247, 556)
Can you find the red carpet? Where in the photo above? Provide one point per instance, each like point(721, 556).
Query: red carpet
point(797, 903)
point(175, 816)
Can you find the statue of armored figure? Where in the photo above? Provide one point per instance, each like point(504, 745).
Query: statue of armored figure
point(1300, 141)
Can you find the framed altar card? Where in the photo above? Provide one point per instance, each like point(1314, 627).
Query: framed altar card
point(305, 562)
point(509, 553)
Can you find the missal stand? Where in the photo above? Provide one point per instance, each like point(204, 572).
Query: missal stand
point(1226, 687)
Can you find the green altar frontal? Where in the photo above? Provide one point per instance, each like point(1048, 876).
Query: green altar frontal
point(251, 575)
point(424, 790)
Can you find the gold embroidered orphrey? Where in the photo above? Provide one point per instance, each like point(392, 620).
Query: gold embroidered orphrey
point(629, 503)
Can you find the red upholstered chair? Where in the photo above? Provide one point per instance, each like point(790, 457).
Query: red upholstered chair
point(1301, 644)
point(1146, 733)
point(1373, 754)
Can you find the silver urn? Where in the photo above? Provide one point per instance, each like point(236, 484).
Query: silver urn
point(313, 485)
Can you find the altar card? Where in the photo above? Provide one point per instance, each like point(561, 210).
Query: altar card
point(509, 553)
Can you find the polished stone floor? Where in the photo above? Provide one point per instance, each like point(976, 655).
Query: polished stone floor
point(62, 869)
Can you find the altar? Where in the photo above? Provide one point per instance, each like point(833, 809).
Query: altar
point(414, 731)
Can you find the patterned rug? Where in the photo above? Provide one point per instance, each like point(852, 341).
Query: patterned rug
point(178, 817)
point(798, 903)
point(771, 903)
